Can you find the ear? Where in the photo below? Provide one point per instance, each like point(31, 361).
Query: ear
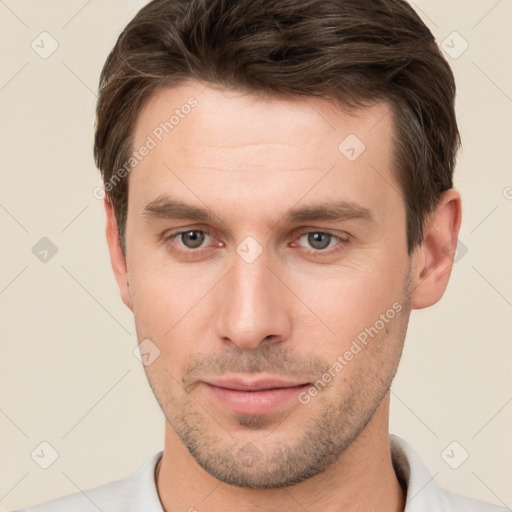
point(117, 258)
point(433, 260)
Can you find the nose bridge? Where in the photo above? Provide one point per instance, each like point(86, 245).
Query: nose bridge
point(253, 306)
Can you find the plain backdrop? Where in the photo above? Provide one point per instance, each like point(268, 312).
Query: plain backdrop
point(68, 374)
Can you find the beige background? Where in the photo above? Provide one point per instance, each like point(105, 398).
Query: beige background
point(68, 374)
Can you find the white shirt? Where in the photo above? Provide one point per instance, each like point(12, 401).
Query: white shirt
point(138, 493)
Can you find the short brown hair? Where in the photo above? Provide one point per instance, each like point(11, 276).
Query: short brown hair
point(351, 51)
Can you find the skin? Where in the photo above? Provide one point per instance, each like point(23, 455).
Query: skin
point(289, 313)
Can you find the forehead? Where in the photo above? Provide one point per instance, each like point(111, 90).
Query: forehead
point(231, 117)
point(226, 141)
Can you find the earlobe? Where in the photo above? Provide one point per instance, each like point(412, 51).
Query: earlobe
point(117, 258)
point(433, 260)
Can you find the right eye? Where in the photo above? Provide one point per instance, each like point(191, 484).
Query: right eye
point(191, 239)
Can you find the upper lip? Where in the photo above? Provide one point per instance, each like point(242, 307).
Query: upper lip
point(244, 384)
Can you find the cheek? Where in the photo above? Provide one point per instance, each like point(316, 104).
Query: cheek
point(162, 294)
point(348, 300)
point(172, 307)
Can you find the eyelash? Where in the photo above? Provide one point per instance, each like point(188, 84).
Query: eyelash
point(312, 252)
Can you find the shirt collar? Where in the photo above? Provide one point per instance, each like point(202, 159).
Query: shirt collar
point(415, 478)
point(142, 494)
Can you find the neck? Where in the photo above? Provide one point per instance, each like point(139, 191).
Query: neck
point(362, 479)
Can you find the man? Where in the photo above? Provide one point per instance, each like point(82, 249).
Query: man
point(278, 180)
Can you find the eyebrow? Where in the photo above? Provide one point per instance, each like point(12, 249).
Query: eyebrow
point(167, 208)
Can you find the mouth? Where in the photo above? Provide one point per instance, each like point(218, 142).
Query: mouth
point(254, 397)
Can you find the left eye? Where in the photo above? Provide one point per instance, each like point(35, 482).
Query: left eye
point(319, 240)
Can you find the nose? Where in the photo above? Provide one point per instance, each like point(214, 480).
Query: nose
point(254, 305)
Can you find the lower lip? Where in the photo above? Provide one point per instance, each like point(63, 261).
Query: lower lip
point(254, 402)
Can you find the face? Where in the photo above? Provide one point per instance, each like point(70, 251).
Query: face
point(267, 262)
